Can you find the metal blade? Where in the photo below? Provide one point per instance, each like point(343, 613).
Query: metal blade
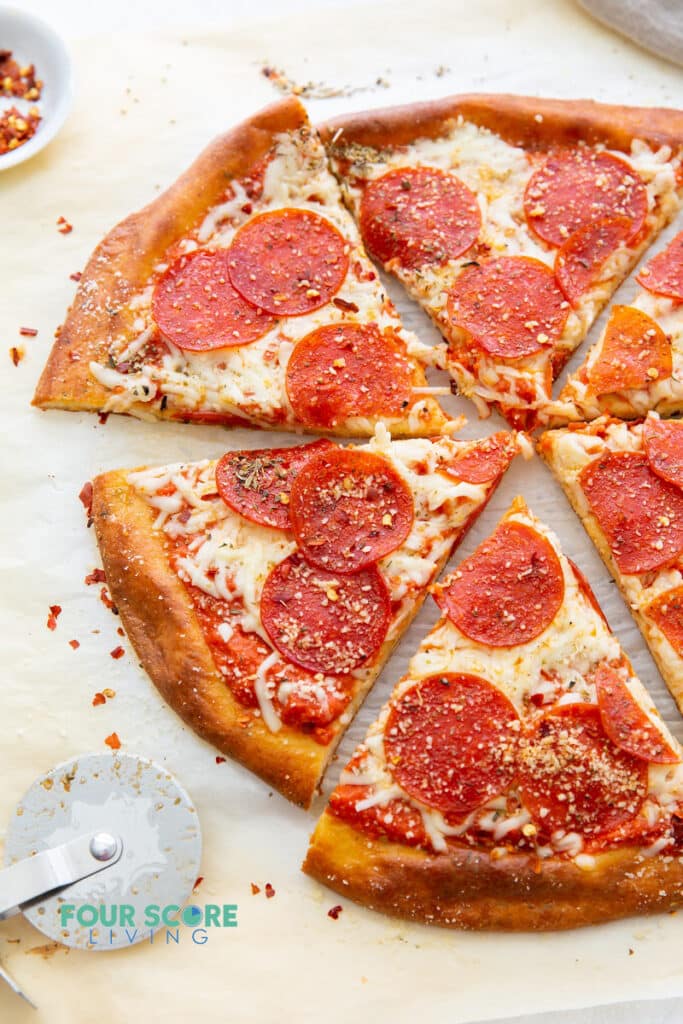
point(15, 987)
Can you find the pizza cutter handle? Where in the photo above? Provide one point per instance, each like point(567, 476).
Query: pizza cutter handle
point(51, 869)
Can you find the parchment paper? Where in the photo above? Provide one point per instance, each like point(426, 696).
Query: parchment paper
point(145, 107)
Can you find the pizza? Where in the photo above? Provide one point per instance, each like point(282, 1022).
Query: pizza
point(519, 776)
point(263, 592)
point(625, 483)
point(243, 295)
point(637, 363)
point(511, 220)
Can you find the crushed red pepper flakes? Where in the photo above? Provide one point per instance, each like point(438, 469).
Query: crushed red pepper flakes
point(75, 644)
point(63, 226)
point(113, 741)
point(334, 912)
point(219, 759)
point(17, 128)
point(270, 892)
point(255, 889)
point(18, 80)
point(117, 653)
point(28, 332)
point(85, 498)
point(98, 699)
point(55, 612)
point(16, 354)
point(120, 631)
point(96, 576)
point(103, 417)
point(76, 276)
point(107, 601)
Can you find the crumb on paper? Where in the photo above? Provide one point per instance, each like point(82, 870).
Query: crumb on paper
point(63, 226)
point(113, 741)
point(16, 354)
point(54, 613)
point(335, 911)
point(120, 631)
point(17, 128)
point(96, 576)
point(74, 644)
point(314, 90)
point(270, 892)
point(117, 653)
point(255, 889)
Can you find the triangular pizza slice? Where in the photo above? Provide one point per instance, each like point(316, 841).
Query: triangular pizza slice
point(243, 295)
point(625, 483)
point(519, 776)
point(511, 220)
point(637, 363)
point(264, 592)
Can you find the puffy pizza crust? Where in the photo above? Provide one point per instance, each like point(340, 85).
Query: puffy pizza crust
point(468, 889)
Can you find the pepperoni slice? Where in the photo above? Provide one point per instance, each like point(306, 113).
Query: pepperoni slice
point(663, 275)
point(573, 189)
point(663, 443)
point(512, 306)
point(508, 591)
point(197, 309)
point(625, 722)
point(288, 262)
point(325, 622)
point(257, 483)
point(581, 258)
point(418, 216)
point(450, 742)
point(344, 370)
point(485, 461)
point(666, 611)
point(572, 777)
point(640, 514)
point(349, 508)
point(635, 352)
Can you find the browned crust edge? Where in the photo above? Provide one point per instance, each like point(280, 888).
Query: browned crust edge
point(467, 889)
point(161, 624)
point(671, 673)
point(525, 121)
point(123, 261)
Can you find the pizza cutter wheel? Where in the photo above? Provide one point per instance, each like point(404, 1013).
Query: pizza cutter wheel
point(101, 830)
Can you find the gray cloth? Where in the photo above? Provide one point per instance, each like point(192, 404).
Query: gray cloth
point(656, 25)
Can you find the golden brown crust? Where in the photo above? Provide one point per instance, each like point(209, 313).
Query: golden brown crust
point(521, 120)
point(468, 889)
point(668, 665)
point(122, 263)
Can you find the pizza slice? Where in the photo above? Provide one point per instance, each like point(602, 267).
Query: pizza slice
point(511, 220)
point(264, 592)
point(519, 776)
point(243, 295)
point(625, 483)
point(637, 364)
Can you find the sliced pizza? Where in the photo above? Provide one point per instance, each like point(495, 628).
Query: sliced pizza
point(625, 483)
point(264, 592)
point(243, 295)
point(637, 364)
point(519, 776)
point(511, 220)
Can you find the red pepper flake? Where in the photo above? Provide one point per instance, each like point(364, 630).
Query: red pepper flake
point(270, 892)
point(76, 276)
point(200, 879)
point(103, 417)
point(334, 912)
point(28, 332)
point(98, 699)
point(63, 226)
point(107, 601)
point(120, 631)
point(55, 612)
point(117, 653)
point(113, 741)
point(75, 644)
point(255, 889)
point(96, 576)
point(85, 498)
point(16, 354)
point(220, 759)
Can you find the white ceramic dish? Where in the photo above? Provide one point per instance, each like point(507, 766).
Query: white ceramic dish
point(32, 41)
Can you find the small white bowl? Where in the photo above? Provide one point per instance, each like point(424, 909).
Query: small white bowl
point(32, 41)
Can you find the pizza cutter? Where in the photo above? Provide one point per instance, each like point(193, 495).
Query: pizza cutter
point(93, 834)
